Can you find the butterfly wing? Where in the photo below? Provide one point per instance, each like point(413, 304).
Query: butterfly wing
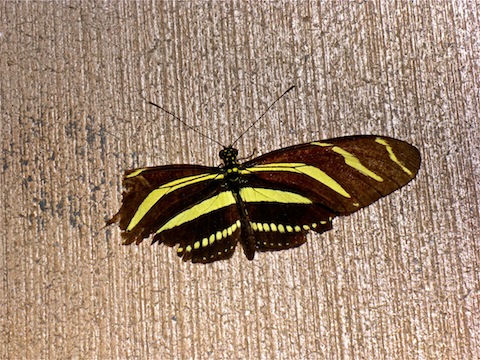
point(206, 230)
point(184, 205)
point(336, 177)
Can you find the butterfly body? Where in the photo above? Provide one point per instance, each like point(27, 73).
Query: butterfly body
point(268, 203)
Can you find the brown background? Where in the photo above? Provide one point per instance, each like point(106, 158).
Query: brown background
point(399, 279)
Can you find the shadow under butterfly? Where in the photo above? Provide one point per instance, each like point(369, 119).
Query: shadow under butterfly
point(268, 203)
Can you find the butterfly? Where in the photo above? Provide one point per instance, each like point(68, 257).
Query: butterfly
point(268, 203)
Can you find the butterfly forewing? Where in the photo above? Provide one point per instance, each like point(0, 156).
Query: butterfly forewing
point(343, 174)
point(153, 195)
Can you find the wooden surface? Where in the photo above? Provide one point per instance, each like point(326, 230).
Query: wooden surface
point(399, 280)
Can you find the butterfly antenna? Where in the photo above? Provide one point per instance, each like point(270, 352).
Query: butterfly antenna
point(261, 116)
point(185, 124)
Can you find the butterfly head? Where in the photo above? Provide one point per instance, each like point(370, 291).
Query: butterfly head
point(229, 156)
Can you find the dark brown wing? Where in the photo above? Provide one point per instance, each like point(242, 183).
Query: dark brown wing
point(285, 226)
point(153, 195)
point(339, 176)
point(354, 172)
point(205, 238)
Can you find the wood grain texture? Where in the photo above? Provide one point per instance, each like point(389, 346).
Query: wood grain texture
point(397, 280)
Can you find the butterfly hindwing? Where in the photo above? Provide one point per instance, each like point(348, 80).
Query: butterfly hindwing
point(285, 226)
point(205, 232)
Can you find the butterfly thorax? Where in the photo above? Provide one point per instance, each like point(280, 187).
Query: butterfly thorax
point(231, 166)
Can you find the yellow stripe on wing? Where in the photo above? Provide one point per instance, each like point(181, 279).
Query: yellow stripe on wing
point(304, 169)
point(219, 201)
point(255, 195)
point(226, 198)
point(392, 155)
point(167, 188)
point(352, 161)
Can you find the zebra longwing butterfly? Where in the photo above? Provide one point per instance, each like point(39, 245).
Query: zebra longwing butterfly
point(268, 203)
